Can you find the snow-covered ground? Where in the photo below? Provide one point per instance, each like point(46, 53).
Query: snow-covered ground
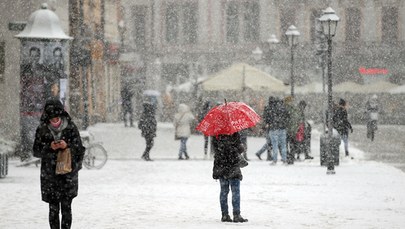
point(167, 193)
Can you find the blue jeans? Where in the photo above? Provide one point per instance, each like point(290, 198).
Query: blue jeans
point(345, 139)
point(183, 146)
point(223, 196)
point(266, 145)
point(278, 139)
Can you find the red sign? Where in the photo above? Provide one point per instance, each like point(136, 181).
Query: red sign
point(373, 71)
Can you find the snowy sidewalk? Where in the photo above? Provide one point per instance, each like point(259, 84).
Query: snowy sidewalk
point(167, 193)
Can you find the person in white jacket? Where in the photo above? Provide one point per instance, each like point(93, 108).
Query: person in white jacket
point(182, 123)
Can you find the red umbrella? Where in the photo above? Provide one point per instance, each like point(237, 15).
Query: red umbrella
point(228, 118)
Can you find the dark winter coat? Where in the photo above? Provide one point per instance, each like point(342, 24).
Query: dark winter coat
point(226, 158)
point(340, 121)
point(57, 187)
point(147, 122)
point(277, 117)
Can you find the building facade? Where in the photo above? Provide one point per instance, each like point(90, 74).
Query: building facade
point(169, 41)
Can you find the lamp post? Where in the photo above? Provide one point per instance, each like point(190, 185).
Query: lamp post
point(292, 34)
point(329, 21)
point(121, 30)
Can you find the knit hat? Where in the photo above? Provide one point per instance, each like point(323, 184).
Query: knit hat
point(53, 108)
point(342, 102)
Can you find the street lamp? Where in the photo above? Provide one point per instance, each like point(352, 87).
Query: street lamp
point(329, 21)
point(121, 30)
point(257, 53)
point(292, 34)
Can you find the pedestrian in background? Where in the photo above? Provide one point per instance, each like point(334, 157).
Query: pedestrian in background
point(227, 150)
point(293, 123)
point(341, 123)
point(57, 132)
point(127, 112)
point(148, 124)
point(372, 109)
point(182, 123)
point(278, 117)
point(303, 136)
point(266, 124)
point(202, 112)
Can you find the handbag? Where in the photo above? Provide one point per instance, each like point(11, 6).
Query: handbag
point(242, 162)
point(299, 136)
point(64, 162)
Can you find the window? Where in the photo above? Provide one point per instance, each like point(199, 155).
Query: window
point(2, 61)
point(182, 23)
point(287, 18)
point(190, 23)
point(316, 29)
point(232, 23)
point(172, 23)
point(353, 22)
point(139, 16)
point(251, 21)
point(242, 21)
point(389, 25)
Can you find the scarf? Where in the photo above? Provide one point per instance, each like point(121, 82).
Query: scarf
point(56, 128)
point(56, 124)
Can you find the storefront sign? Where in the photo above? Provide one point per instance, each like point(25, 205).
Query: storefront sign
point(373, 71)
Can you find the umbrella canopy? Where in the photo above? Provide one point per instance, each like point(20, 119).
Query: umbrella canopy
point(241, 76)
point(378, 87)
point(314, 87)
point(398, 90)
point(228, 118)
point(347, 86)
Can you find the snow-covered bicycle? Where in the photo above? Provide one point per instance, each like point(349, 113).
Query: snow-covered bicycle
point(95, 156)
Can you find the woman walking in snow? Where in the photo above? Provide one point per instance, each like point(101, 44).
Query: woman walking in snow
point(182, 124)
point(57, 132)
point(148, 124)
point(227, 169)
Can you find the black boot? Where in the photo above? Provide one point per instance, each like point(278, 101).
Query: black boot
point(186, 155)
point(239, 219)
point(146, 157)
point(347, 153)
point(226, 218)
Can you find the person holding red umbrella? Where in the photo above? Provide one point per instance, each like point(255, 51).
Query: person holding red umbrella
point(224, 122)
point(228, 150)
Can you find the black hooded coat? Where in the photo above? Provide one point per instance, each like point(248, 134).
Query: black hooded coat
point(147, 122)
point(226, 158)
point(55, 188)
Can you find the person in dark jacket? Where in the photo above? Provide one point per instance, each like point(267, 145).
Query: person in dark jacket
point(278, 119)
point(227, 169)
point(341, 123)
point(266, 119)
point(56, 132)
point(201, 115)
point(126, 96)
point(148, 124)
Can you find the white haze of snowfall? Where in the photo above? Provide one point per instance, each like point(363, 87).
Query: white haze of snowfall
point(168, 193)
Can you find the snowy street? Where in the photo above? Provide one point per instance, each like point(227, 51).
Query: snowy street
point(167, 193)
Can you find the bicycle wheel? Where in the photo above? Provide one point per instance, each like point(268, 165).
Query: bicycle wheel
point(95, 157)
